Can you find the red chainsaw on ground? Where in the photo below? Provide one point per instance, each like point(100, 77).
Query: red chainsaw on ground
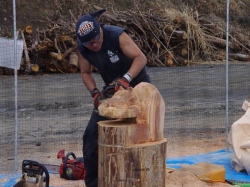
point(71, 168)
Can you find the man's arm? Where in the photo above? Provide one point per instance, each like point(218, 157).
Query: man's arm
point(130, 49)
point(85, 68)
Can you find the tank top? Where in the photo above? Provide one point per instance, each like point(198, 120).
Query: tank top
point(109, 60)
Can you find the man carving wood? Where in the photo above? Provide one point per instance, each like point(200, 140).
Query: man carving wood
point(120, 62)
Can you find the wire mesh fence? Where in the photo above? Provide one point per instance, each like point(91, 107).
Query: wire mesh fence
point(54, 108)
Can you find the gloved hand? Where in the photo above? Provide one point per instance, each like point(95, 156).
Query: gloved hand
point(121, 82)
point(96, 95)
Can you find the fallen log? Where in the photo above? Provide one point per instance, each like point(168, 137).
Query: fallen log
point(169, 59)
point(73, 63)
point(183, 52)
point(180, 34)
point(30, 68)
point(240, 57)
point(64, 64)
point(222, 43)
point(45, 46)
point(180, 61)
point(28, 29)
point(25, 49)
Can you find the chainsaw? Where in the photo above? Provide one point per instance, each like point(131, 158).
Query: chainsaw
point(108, 92)
point(71, 169)
point(32, 175)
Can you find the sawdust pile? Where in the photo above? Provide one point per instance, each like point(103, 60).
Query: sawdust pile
point(173, 179)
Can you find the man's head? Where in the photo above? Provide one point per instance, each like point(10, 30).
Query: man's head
point(89, 32)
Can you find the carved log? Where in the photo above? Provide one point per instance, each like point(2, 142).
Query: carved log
point(144, 102)
point(132, 150)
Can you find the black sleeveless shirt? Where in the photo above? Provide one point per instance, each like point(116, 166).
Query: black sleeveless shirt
point(109, 60)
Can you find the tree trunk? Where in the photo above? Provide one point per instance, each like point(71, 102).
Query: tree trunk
point(125, 162)
point(132, 150)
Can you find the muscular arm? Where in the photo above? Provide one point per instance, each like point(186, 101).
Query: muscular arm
point(86, 74)
point(130, 49)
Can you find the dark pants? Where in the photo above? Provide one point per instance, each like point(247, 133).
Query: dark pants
point(90, 149)
point(90, 143)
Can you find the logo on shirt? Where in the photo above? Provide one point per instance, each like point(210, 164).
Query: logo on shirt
point(85, 28)
point(110, 53)
point(113, 58)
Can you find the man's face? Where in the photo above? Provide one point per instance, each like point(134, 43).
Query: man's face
point(96, 43)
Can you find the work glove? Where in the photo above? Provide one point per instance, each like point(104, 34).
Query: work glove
point(123, 81)
point(96, 95)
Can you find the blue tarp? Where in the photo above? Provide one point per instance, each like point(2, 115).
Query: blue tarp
point(9, 180)
point(221, 157)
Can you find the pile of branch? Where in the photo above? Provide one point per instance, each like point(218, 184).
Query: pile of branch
point(50, 50)
point(174, 38)
point(167, 37)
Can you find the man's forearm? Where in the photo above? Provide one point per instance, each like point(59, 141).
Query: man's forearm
point(137, 65)
point(88, 81)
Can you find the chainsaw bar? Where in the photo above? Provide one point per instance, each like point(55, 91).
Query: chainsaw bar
point(52, 168)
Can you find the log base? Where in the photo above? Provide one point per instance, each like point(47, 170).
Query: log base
point(123, 161)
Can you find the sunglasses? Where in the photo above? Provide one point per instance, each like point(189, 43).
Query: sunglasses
point(94, 40)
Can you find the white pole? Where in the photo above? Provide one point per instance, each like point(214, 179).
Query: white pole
point(227, 33)
point(15, 60)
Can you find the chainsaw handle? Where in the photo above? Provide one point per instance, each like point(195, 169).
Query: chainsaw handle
point(33, 167)
point(65, 162)
point(46, 179)
point(108, 91)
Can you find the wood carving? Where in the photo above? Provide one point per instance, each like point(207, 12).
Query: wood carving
point(132, 149)
point(144, 102)
point(124, 104)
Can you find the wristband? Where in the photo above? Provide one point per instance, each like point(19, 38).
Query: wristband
point(128, 77)
point(94, 91)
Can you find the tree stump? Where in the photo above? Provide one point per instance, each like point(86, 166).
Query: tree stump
point(132, 149)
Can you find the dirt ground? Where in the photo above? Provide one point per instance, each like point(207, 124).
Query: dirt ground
point(53, 111)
